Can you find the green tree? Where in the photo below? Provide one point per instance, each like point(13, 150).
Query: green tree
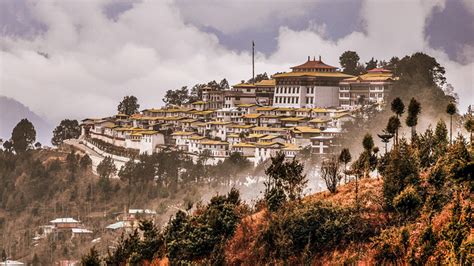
point(91, 259)
point(285, 180)
point(177, 97)
point(368, 142)
point(72, 163)
point(421, 69)
point(85, 162)
point(105, 170)
point(451, 110)
point(469, 126)
point(371, 64)
point(345, 157)
point(414, 109)
point(129, 105)
point(398, 108)
point(67, 129)
point(258, 78)
point(349, 61)
point(23, 136)
point(440, 140)
point(401, 170)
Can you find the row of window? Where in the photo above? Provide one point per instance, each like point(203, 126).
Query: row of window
point(371, 95)
point(309, 90)
point(287, 99)
point(287, 90)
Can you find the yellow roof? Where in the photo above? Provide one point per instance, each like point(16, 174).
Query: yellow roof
point(370, 77)
point(251, 115)
point(262, 83)
point(183, 133)
point(218, 123)
point(286, 109)
point(266, 108)
point(291, 147)
point(244, 145)
point(257, 136)
point(246, 105)
point(319, 120)
point(320, 110)
point(233, 136)
point(270, 137)
point(266, 144)
point(312, 74)
point(189, 120)
point(293, 119)
point(241, 126)
point(244, 85)
point(197, 138)
point(265, 83)
point(303, 110)
point(204, 112)
point(214, 142)
point(341, 115)
point(199, 103)
point(306, 129)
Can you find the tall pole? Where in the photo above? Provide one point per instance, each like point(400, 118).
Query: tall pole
point(253, 62)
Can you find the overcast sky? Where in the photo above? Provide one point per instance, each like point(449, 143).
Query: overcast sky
point(79, 58)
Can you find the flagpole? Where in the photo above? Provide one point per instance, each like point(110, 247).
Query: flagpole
point(253, 62)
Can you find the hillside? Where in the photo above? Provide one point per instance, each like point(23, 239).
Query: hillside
point(418, 210)
point(43, 185)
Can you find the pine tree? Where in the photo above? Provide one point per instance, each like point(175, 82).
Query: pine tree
point(91, 259)
point(345, 157)
point(451, 110)
point(414, 109)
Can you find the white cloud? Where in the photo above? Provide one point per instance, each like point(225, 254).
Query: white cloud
point(94, 61)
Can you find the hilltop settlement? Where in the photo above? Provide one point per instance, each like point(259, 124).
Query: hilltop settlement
point(305, 108)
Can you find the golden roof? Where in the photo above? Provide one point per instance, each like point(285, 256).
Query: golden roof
point(183, 133)
point(204, 112)
point(197, 137)
point(266, 108)
point(371, 76)
point(312, 74)
point(266, 83)
point(218, 123)
point(246, 105)
point(257, 136)
point(307, 129)
point(286, 109)
point(244, 145)
point(293, 119)
point(251, 115)
point(241, 126)
point(214, 142)
point(319, 120)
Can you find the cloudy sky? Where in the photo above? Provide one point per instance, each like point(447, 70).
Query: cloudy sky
point(78, 58)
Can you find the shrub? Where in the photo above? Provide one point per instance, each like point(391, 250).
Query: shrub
point(408, 202)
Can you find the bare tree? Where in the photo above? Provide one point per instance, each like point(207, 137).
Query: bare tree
point(330, 172)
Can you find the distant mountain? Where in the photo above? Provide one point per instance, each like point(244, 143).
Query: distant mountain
point(12, 111)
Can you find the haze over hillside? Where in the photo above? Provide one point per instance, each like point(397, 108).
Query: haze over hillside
point(12, 111)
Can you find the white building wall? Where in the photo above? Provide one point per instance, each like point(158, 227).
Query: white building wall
point(326, 96)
